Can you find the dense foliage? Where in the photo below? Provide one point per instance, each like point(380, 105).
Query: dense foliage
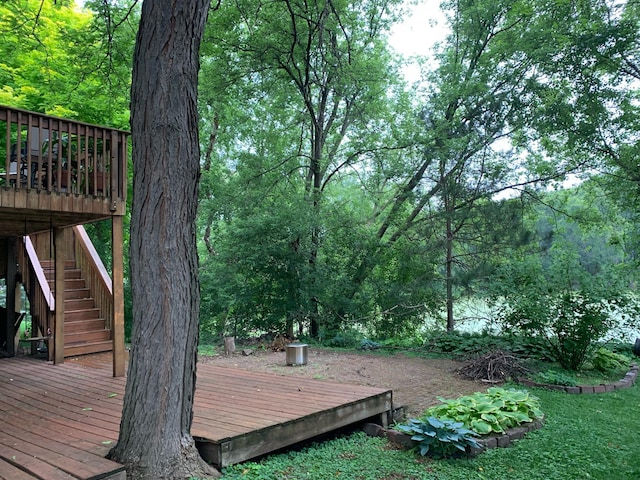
point(67, 62)
point(336, 198)
point(328, 206)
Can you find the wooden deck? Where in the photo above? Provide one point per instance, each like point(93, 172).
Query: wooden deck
point(59, 421)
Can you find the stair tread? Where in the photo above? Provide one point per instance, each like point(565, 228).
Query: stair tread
point(66, 322)
point(89, 330)
point(81, 334)
point(87, 348)
point(96, 342)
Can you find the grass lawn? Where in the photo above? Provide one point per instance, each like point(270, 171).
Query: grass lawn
point(584, 437)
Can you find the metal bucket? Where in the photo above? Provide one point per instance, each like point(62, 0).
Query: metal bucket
point(297, 354)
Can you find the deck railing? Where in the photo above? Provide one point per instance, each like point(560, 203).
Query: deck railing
point(44, 153)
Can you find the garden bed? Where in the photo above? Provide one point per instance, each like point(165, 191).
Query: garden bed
point(626, 382)
point(487, 442)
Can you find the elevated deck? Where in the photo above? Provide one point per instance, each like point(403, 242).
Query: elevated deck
point(57, 173)
point(58, 422)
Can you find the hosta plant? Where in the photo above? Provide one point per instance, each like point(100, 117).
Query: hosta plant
point(441, 438)
point(494, 411)
point(605, 360)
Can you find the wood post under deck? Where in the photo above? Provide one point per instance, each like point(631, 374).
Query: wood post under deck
point(58, 334)
point(117, 325)
point(12, 260)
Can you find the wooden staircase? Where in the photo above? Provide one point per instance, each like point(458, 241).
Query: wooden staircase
point(84, 330)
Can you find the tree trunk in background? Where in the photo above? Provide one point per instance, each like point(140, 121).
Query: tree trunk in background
point(449, 275)
point(155, 440)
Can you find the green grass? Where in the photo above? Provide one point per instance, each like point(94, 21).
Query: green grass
point(207, 350)
point(585, 436)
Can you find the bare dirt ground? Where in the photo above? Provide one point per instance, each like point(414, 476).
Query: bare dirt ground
point(416, 382)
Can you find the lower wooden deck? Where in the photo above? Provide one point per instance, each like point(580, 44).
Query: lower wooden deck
point(58, 422)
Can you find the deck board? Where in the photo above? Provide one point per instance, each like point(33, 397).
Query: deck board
point(58, 422)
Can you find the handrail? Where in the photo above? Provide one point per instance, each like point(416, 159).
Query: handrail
point(41, 301)
point(94, 273)
point(87, 245)
point(40, 276)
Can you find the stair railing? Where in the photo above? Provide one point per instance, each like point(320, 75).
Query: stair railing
point(35, 282)
point(95, 274)
point(41, 298)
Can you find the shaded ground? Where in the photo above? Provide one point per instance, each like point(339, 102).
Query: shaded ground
point(416, 382)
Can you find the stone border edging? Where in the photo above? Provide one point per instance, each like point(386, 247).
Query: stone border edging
point(493, 440)
point(626, 382)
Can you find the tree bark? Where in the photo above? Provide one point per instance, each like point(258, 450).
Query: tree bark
point(155, 440)
point(449, 273)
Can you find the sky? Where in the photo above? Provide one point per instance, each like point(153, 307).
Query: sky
point(424, 25)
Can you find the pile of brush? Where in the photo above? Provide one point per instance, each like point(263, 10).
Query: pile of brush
point(494, 367)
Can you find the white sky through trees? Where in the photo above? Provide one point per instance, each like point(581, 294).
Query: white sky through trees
point(424, 25)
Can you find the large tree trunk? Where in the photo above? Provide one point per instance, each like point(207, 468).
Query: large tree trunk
point(155, 440)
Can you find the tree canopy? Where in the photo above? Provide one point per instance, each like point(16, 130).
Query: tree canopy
point(333, 194)
point(407, 199)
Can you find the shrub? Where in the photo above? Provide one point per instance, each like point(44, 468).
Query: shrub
point(410, 341)
point(494, 411)
point(625, 348)
point(443, 438)
point(344, 338)
point(470, 344)
point(560, 301)
point(463, 344)
point(366, 344)
point(570, 322)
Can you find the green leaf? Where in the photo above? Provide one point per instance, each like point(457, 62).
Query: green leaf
point(489, 418)
point(434, 422)
point(481, 427)
point(487, 408)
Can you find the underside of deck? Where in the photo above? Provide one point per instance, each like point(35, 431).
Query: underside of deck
point(59, 421)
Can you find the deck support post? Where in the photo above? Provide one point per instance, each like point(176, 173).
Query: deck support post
point(58, 334)
point(117, 322)
point(17, 307)
point(9, 330)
